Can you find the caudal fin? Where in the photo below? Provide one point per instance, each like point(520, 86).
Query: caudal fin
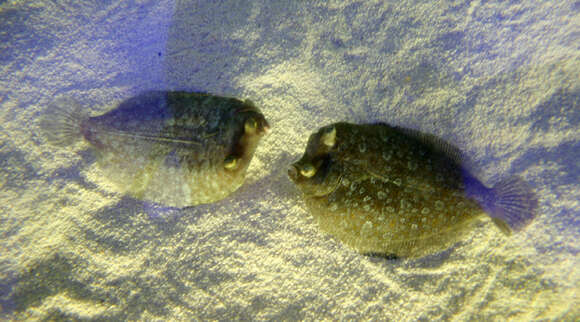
point(61, 124)
point(513, 204)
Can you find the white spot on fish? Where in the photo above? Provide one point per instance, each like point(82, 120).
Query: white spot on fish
point(345, 182)
point(362, 148)
point(367, 228)
point(387, 155)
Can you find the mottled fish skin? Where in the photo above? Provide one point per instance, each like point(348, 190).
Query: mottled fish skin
point(388, 190)
point(175, 148)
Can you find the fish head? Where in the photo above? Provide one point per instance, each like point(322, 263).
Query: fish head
point(317, 173)
point(254, 122)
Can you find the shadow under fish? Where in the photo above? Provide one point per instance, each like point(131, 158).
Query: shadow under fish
point(174, 148)
point(399, 192)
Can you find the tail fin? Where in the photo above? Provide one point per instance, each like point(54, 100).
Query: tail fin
point(513, 204)
point(61, 125)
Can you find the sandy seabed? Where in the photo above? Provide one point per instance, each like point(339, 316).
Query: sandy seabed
point(499, 79)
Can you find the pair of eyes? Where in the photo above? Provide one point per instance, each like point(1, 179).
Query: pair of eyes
point(328, 140)
point(250, 126)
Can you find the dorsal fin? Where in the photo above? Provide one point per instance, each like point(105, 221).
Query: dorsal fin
point(432, 141)
point(436, 143)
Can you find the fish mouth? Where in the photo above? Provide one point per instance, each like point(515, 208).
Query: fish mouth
point(264, 125)
point(293, 172)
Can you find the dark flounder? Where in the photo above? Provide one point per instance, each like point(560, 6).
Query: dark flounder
point(398, 192)
point(175, 148)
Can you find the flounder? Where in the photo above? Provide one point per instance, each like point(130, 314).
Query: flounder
point(174, 148)
point(396, 192)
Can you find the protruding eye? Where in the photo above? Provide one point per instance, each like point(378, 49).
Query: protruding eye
point(307, 170)
point(328, 138)
point(251, 125)
point(230, 163)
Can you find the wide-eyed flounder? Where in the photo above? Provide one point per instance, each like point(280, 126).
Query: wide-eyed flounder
point(392, 191)
point(175, 148)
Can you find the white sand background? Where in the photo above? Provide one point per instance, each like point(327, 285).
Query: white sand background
point(499, 79)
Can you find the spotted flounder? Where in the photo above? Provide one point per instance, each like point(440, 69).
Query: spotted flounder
point(175, 148)
point(396, 192)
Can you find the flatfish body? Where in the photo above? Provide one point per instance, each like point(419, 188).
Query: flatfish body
point(175, 148)
point(396, 192)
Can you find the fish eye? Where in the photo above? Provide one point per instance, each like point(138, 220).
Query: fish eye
point(307, 170)
point(230, 163)
point(328, 138)
point(251, 125)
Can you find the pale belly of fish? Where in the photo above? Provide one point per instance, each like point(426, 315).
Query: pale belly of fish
point(175, 148)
